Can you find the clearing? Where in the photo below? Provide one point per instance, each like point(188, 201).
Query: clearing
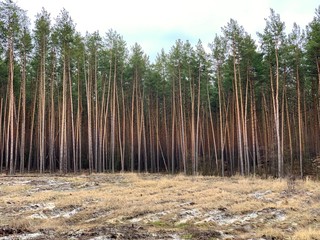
point(154, 206)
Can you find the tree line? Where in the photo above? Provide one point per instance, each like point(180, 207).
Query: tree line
point(70, 102)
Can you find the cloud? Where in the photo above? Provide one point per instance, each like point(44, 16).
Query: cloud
point(157, 24)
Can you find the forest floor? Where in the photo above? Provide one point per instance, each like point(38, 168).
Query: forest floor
point(153, 206)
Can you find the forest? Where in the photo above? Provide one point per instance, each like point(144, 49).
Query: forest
point(72, 103)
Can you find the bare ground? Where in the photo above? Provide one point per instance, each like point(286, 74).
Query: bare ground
point(152, 206)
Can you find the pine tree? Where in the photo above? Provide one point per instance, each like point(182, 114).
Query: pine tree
point(64, 29)
point(272, 40)
point(41, 36)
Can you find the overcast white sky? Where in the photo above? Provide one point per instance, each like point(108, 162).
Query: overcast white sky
point(157, 24)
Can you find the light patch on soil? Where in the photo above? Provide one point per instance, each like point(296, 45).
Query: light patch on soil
point(23, 236)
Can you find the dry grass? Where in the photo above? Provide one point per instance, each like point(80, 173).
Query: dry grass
point(174, 203)
point(271, 233)
point(307, 234)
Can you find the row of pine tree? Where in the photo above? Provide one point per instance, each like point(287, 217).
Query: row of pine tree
point(70, 102)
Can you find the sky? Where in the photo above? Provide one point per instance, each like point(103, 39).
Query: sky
point(158, 24)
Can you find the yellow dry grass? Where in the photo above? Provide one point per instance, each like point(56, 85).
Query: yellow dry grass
point(307, 234)
point(271, 233)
